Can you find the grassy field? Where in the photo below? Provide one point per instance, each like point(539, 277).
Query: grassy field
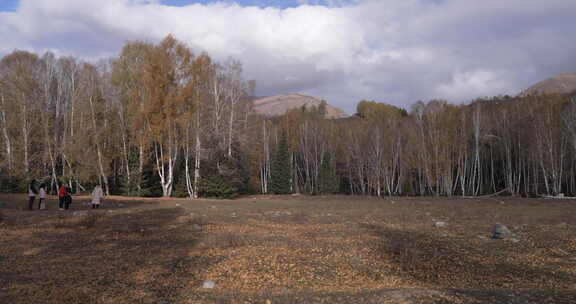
point(288, 249)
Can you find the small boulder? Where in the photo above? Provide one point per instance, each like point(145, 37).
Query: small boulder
point(79, 213)
point(501, 232)
point(440, 224)
point(209, 284)
point(196, 227)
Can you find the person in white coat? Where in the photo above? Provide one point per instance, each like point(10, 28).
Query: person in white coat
point(97, 195)
point(42, 192)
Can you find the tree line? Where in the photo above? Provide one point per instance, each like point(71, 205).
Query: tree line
point(160, 120)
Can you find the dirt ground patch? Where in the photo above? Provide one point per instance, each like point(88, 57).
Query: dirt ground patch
point(288, 249)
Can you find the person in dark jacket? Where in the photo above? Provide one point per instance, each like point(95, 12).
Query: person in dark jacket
point(32, 192)
point(68, 198)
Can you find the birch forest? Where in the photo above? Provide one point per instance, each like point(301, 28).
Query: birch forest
point(161, 120)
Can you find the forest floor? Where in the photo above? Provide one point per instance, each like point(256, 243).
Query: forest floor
point(288, 249)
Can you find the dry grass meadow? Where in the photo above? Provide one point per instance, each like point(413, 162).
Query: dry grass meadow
point(288, 249)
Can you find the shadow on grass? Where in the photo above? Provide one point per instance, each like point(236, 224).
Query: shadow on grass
point(399, 295)
point(21, 204)
point(299, 297)
point(14, 209)
point(138, 257)
point(512, 297)
point(468, 268)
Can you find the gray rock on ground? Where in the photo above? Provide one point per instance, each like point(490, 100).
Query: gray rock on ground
point(197, 227)
point(440, 224)
point(209, 284)
point(79, 213)
point(501, 232)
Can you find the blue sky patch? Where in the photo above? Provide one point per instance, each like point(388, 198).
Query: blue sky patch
point(12, 5)
point(259, 3)
point(8, 5)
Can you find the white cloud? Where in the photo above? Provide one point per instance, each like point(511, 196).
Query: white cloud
point(481, 83)
point(396, 51)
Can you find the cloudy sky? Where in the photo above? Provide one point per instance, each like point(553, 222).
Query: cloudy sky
point(394, 51)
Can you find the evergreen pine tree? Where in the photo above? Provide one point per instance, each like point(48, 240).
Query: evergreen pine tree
point(150, 183)
point(329, 183)
point(9, 185)
point(217, 179)
point(147, 181)
point(180, 187)
point(128, 187)
point(143, 184)
point(281, 175)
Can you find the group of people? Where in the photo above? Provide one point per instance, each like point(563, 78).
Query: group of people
point(64, 196)
point(34, 190)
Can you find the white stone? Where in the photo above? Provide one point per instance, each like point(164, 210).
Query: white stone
point(440, 224)
point(209, 284)
point(79, 213)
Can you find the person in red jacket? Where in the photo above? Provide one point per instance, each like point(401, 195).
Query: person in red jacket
point(62, 193)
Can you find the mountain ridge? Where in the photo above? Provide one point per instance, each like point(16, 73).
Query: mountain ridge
point(276, 105)
point(561, 84)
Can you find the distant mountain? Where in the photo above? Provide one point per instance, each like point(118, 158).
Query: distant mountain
point(562, 84)
point(280, 104)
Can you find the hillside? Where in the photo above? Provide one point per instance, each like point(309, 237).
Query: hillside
point(280, 104)
point(563, 84)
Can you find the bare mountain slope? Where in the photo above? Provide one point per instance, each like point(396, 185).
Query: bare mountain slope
point(562, 84)
point(280, 104)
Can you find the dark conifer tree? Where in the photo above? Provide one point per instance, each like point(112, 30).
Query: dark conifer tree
point(281, 179)
point(329, 181)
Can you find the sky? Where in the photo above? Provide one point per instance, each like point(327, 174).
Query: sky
point(343, 51)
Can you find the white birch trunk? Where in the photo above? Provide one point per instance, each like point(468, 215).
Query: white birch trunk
point(7, 141)
point(103, 178)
